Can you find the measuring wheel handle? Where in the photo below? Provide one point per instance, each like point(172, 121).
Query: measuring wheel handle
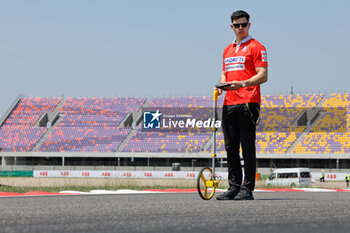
point(207, 181)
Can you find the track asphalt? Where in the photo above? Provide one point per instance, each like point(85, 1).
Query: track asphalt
point(147, 191)
point(177, 212)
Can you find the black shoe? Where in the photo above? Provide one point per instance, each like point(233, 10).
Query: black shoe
point(244, 194)
point(228, 195)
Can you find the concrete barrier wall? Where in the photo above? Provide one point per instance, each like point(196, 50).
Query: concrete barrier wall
point(153, 174)
point(122, 174)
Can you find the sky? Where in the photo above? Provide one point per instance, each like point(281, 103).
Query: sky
point(165, 48)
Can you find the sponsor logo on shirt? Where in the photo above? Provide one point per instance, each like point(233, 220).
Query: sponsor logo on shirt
point(264, 55)
point(234, 60)
point(234, 67)
point(234, 63)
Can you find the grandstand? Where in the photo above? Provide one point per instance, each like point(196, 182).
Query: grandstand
point(330, 135)
point(294, 130)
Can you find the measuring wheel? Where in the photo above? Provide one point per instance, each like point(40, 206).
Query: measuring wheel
point(206, 183)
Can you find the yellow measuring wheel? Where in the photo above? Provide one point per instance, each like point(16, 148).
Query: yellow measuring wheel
point(207, 181)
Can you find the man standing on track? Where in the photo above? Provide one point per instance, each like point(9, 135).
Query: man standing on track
point(245, 68)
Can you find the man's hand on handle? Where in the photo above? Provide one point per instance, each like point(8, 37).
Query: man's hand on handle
point(235, 85)
point(219, 91)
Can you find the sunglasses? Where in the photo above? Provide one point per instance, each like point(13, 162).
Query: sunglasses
point(238, 25)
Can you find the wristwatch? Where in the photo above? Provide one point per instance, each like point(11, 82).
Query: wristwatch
point(243, 84)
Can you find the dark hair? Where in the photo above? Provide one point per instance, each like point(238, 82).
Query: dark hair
point(239, 14)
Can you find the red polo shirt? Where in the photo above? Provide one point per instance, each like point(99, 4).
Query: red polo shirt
point(239, 63)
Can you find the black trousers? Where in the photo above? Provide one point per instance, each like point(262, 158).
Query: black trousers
point(239, 128)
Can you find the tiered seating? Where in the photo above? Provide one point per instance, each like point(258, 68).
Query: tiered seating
point(278, 119)
point(331, 143)
point(91, 121)
point(276, 143)
point(18, 132)
point(107, 112)
point(84, 139)
point(91, 124)
point(275, 133)
point(19, 138)
point(331, 132)
point(291, 101)
point(279, 112)
point(332, 120)
point(29, 110)
point(175, 140)
point(336, 117)
point(268, 142)
point(167, 141)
